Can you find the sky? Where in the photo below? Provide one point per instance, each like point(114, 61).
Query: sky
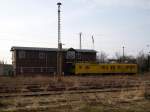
point(113, 24)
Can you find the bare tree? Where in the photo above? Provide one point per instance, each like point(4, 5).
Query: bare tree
point(117, 55)
point(102, 57)
point(1, 62)
point(142, 61)
point(124, 59)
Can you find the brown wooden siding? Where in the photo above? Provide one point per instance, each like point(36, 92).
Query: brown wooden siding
point(46, 63)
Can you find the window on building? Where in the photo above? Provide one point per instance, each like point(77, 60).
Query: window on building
point(78, 56)
point(22, 54)
point(80, 67)
point(87, 67)
point(103, 67)
point(106, 67)
point(112, 67)
point(13, 56)
point(41, 55)
point(118, 67)
point(132, 67)
point(70, 55)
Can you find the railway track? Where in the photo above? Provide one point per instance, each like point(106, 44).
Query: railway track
point(35, 87)
point(61, 87)
point(45, 93)
point(41, 90)
point(67, 99)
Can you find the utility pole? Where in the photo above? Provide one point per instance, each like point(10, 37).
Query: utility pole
point(148, 58)
point(80, 36)
point(59, 53)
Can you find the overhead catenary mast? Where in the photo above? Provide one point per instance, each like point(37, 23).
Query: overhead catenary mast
point(80, 39)
point(123, 56)
point(59, 53)
point(93, 42)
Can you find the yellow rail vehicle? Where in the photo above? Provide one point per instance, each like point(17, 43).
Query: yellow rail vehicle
point(87, 68)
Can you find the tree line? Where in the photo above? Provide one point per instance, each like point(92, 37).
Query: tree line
point(142, 60)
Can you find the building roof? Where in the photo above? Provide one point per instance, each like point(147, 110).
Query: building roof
point(48, 49)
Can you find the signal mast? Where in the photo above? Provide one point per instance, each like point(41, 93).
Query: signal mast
point(59, 53)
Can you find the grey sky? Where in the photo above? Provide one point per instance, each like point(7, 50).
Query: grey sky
point(114, 23)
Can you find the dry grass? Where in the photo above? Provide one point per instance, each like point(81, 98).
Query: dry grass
point(123, 101)
point(90, 102)
point(97, 102)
